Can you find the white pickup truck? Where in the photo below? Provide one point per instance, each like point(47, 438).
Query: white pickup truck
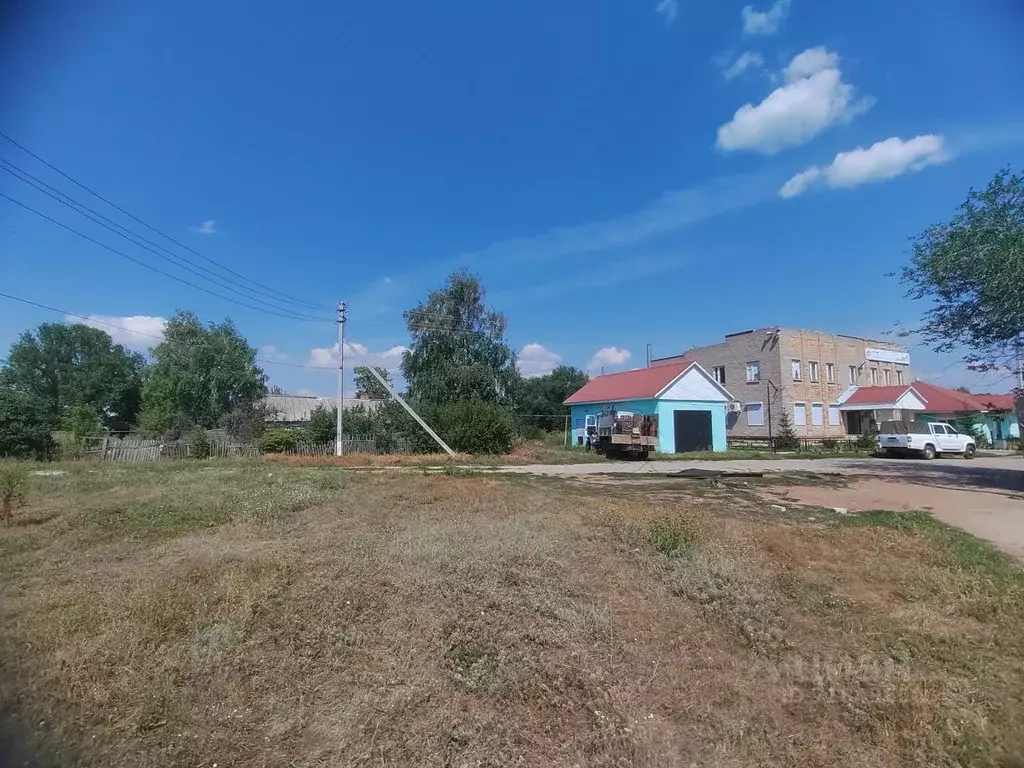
point(929, 439)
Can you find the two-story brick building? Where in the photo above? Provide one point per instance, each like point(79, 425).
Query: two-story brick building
point(801, 373)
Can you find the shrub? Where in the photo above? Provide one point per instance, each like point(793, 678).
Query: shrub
point(199, 446)
point(278, 440)
point(246, 422)
point(13, 480)
point(25, 427)
point(829, 445)
point(470, 426)
point(323, 425)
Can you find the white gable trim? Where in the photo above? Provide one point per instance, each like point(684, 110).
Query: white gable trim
point(910, 400)
point(694, 383)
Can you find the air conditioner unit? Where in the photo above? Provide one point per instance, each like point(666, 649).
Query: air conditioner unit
point(735, 407)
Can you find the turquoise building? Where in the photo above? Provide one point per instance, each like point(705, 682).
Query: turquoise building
point(690, 405)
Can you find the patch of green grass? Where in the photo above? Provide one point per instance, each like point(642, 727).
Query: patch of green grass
point(669, 538)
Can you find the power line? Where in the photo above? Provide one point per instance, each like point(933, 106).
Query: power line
point(134, 239)
point(151, 228)
point(155, 269)
point(142, 333)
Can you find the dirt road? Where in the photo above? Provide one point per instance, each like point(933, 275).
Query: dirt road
point(984, 497)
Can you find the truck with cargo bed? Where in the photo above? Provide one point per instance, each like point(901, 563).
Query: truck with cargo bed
point(623, 434)
point(925, 439)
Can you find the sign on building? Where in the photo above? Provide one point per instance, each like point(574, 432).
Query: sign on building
point(888, 356)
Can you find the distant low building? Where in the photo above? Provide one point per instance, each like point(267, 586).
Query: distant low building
point(296, 409)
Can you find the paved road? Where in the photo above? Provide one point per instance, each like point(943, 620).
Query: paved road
point(1005, 473)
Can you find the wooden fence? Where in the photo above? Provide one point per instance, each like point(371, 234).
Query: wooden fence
point(131, 448)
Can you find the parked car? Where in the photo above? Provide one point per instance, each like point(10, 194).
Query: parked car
point(927, 439)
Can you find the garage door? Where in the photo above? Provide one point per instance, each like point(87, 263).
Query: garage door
point(693, 431)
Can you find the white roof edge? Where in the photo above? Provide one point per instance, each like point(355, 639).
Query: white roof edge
point(704, 373)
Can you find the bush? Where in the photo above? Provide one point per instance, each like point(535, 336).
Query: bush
point(25, 427)
point(13, 480)
point(470, 426)
point(323, 425)
point(246, 422)
point(278, 440)
point(199, 446)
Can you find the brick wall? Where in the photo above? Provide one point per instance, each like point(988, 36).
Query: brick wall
point(775, 353)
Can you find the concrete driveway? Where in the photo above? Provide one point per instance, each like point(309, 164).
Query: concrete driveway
point(984, 497)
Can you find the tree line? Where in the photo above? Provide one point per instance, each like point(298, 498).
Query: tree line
point(460, 372)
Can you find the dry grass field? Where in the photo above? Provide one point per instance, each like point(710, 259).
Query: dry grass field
point(274, 614)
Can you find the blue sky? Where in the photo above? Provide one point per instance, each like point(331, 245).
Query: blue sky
point(619, 173)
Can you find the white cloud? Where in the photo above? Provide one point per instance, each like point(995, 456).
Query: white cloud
point(206, 228)
point(135, 331)
point(669, 9)
point(799, 183)
point(811, 62)
point(608, 357)
point(881, 161)
point(270, 352)
point(536, 360)
point(747, 60)
point(764, 22)
point(813, 99)
point(356, 354)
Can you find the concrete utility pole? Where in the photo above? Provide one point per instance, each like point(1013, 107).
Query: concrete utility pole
point(339, 446)
point(420, 421)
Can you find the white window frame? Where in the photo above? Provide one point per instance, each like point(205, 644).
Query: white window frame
point(874, 377)
point(899, 378)
point(830, 373)
point(821, 415)
point(754, 378)
point(759, 409)
point(715, 371)
point(887, 376)
point(796, 369)
point(801, 419)
point(813, 372)
point(833, 409)
point(853, 374)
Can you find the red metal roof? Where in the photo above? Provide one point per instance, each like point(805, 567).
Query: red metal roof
point(641, 384)
point(942, 400)
point(876, 395)
point(996, 402)
point(936, 399)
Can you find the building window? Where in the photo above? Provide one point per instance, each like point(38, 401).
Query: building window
point(874, 377)
point(830, 373)
point(753, 372)
point(796, 366)
point(887, 375)
point(853, 374)
point(812, 370)
point(719, 373)
point(899, 377)
point(799, 414)
point(817, 415)
point(833, 415)
point(755, 414)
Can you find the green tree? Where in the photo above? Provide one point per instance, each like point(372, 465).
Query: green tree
point(26, 423)
point(200, 374)
point(82, 377)
point(539, 399)
point(971, 270)
point(367, 386)
point(785, 436)
point(458, 349)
